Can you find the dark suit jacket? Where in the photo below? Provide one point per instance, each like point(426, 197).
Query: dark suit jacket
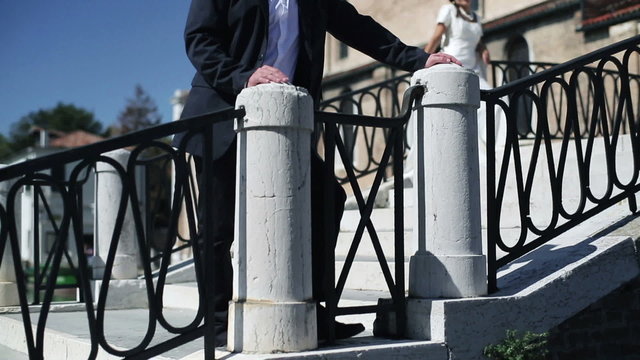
point(226, 42)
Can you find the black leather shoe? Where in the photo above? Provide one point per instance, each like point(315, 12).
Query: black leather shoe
point(221, 334)
point(343, 331)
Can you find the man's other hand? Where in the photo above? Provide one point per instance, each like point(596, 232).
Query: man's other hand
point(441, 58)
point(267, 74)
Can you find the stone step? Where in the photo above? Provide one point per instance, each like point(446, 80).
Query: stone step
point(362, 348)
point(183, 295)
point(67, 335)
point(367, 275)
point(11, 354)
point(407, 198)
point(382, 219)
point(365, 248)
point(67, 332)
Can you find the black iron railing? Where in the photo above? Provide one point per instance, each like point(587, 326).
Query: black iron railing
point(598, 117)
point(574, 105)
point(157, 169)
point(383, 99)
point(69, 238)
point(557, 103)
point(364, 145)
point(393, 129)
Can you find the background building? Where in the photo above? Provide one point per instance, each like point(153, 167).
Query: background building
point(553, 31)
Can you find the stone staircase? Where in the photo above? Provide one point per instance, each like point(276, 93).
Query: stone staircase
point(536, 293)
point(366, 273)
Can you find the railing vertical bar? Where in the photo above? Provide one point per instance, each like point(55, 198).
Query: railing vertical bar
point(330, 230)
point(33, 352)
point(493, 230)
point(398, 190)
point(36, 246)
point(207, 232)
point(79, 239)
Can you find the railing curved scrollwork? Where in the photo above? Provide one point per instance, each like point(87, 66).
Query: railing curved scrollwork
point(557, 101)
point(382, 99)
point(144, 147)
point(364, 144)
point(579, 114)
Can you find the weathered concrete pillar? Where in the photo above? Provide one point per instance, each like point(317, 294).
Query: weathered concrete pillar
point(272, 308)
point(449, 262)
point(107, 202)
point(8, 286)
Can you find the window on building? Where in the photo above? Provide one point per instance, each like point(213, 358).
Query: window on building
point(343, 51)
point(475, 5)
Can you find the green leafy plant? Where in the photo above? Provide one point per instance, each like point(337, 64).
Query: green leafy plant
point(530, 346)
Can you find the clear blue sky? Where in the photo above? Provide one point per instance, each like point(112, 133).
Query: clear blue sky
point(90, 53)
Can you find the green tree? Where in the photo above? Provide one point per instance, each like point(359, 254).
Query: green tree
point(5, 147)
point(62, 117)
point(140, 112)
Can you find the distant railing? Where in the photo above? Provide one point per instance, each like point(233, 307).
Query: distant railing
point(333, 139)
point(69, 233)
point(558, 103)
point(157, 169)
point(383, 99)
point(363, 144)
point(599, 104)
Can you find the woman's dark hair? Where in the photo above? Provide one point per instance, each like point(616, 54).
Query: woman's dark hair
point(473, 17)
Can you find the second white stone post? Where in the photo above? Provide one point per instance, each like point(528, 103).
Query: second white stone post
point(108, 197)
point(449, 262)
point(8, 286)
point(272, 308)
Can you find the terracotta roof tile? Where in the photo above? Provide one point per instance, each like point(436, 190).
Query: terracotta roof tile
point(75, 139)
point(531, 11)
point(612, 15)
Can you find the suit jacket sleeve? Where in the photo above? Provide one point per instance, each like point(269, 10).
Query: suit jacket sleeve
point(366, 35)
point(207, 39)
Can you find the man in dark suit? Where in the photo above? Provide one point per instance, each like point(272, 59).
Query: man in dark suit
point(235, 44)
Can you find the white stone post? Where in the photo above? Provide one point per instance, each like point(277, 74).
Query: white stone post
point(8, 286)
point(449, 262)
point(272, 308)
point(107, 202)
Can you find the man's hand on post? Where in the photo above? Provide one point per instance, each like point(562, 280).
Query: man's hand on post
point(267, 74)
point(441, 58)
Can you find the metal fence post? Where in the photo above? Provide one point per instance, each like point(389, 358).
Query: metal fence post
point(272, 308)
point(449, 262)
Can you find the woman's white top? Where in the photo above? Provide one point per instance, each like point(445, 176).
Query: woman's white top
point(461, 36)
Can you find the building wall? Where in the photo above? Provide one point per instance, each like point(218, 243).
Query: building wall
point(412, 21)
point(554, 38)
point(493, 9)
point(557, 39)
point(608, 329)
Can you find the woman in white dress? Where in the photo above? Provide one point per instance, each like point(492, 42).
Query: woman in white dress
point(459, 33)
